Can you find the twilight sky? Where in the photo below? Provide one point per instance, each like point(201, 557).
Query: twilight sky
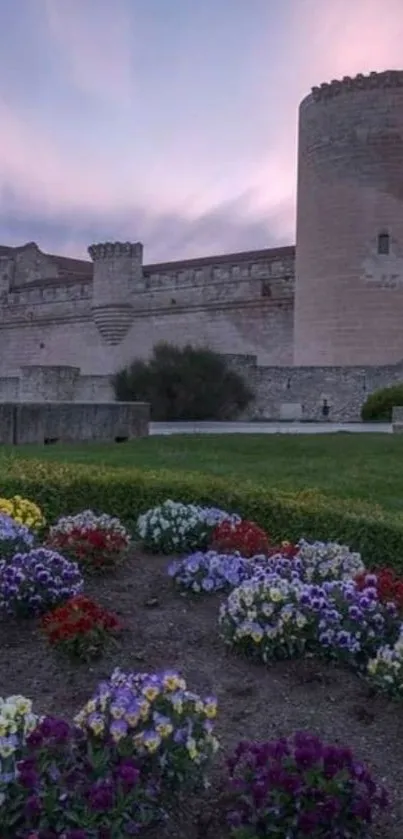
point(173, 122)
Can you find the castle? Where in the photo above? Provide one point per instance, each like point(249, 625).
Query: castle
point(314, 327)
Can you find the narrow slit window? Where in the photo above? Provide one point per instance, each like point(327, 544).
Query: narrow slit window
point(383, 244)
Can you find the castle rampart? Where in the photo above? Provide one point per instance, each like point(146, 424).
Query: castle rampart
point(100, 317)
point(360, 82)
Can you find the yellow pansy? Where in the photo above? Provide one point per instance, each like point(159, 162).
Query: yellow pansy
point(151, 692)
point(152, 742)
point(192, 748)
point(210, 709)
point(144, 709)
point(164, 729)
point(6, 750)
point(97, 726)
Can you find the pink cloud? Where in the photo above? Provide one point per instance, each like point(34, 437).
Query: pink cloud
point(337, 38)
point(326, 39)
point(323, 39)
point(94, 40)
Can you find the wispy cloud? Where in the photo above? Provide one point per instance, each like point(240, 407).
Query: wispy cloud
point(95, 43)
point(173, 123)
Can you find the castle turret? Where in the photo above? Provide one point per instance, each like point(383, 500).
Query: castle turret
point(349, 256)
point(118, 273)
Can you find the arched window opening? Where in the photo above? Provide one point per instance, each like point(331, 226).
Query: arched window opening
point(383, 244)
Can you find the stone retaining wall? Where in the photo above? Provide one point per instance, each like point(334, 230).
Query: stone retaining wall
point(68, 422)
point(334, 394)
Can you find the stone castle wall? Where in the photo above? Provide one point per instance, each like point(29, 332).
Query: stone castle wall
point(315, 326)
point(301, 392)
point(280, 393)
point(99, 320)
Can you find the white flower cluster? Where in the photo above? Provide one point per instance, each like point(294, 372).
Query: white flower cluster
point(16, 722)
point(385, 671)
point(174, 527)
point(88, 520)
point(328, 561)
point(266, 614)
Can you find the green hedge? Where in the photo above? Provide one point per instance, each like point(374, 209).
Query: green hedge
point(65, 489)
point(378, 407)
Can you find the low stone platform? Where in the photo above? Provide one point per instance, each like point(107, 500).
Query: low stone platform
point(397, 420)
point(65, 422)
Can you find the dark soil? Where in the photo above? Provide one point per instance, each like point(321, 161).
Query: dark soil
point(167, 630)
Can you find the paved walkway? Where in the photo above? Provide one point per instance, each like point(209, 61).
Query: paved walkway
point(163, 428)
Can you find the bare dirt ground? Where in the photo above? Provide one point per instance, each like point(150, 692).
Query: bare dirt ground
point(163, 630)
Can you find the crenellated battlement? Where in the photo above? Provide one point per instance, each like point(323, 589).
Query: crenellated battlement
point(352, 84)
point(111, 250)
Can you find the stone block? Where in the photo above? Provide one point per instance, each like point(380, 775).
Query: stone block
point(48, 383)
point(291, 411)
point(65, 422)
point(7, 423)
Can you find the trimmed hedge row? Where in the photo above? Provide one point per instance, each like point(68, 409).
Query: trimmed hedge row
point(62, 489)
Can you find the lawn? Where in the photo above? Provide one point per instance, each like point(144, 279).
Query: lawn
point(359, 466)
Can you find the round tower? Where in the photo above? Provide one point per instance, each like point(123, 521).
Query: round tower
point(349, 253)
point(118, 273)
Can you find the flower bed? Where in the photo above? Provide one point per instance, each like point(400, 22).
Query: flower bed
point(142, 738)
point(210, 572)
point(385, 670)
point(134, 746)
point(301, 787)
point(271, 617)
point(175, 528)
point(14, 537)
point(81, 628)
point(97, 543)
point(328, 561)
point(144, 774)
point(23, 511)
point(34, 582)
point(388, 584)
point(243, 537)
point(17, 721)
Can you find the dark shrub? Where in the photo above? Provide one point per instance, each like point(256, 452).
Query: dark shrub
point(379, 405)
point(184, 383)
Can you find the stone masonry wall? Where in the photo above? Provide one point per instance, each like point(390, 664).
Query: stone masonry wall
point(301, 392)
point(53, 316)
point(280, 392)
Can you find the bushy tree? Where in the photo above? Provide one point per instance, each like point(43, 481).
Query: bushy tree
point(379, 405)
point(184, 383)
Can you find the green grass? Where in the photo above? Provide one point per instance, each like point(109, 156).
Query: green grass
point(358, 466)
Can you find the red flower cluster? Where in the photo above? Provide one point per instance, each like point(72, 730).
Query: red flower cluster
point(246, 537)
point(97, 549)
point(388, 585)
point(287, 549)
point(81, 627)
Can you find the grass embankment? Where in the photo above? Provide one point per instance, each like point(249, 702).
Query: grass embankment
point(342, 488)
point(366, 467)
